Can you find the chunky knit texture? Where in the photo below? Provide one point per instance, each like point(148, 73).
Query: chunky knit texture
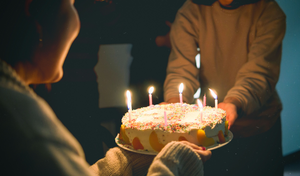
point(174, 159)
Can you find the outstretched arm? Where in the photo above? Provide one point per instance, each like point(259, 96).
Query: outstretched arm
point(256, 80)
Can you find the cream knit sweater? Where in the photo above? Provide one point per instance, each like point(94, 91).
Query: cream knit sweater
point(35, 142)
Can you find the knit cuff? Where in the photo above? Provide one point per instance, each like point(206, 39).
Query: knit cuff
point(188, 162)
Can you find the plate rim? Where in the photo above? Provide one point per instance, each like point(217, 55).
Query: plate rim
point(213, 147)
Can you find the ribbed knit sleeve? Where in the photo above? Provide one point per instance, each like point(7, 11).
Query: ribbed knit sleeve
point(176, 159)
point(121, 162)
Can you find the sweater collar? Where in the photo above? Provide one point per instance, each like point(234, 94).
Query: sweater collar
point(10, 79)
point(221, 8)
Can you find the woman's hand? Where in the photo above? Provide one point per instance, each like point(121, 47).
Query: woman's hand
point(201, 151)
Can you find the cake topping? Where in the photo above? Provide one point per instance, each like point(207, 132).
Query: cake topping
point(179, 118)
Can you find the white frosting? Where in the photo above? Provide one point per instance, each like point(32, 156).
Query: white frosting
point(182, 122)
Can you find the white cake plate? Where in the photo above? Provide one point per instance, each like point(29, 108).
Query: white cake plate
point(128, 147)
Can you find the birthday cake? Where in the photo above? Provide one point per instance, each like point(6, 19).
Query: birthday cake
point(151, 128)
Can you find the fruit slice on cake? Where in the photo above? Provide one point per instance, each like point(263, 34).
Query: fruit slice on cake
point(221, 137)
point(226, 128)
point(203, 140)
point(137, 144)
point(153, 140)
point(123, 135)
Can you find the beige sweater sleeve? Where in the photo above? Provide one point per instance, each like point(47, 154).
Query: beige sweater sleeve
point(174, 159)
point(256, 80)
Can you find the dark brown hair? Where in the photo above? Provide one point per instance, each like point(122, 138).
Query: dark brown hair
point(18, 35)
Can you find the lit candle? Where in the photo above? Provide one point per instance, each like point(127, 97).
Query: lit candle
point(180, 92)
point(128, 94)
point(199, 104)
point(151, 89)
point(200, 107)
point(165, 117)
point(204, 100)
point(215, 97)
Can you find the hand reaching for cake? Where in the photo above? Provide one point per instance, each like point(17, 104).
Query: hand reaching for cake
point(231, 112)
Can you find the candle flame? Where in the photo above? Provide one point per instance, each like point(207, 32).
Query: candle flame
point(213, 94)
point(181, 88)
point(199, 103)
point(128, 94)
point(151, 89)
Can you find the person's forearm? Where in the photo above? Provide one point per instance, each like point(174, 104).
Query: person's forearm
point(234, 101)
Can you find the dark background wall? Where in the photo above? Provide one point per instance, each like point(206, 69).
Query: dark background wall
point(289, 81)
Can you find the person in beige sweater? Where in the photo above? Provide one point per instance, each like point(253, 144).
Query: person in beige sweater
point(240, 46)
point(35, 39)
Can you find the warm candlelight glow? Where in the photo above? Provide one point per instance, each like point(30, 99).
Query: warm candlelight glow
point(151, 89)
point(128, 94)
point(180, 93)
point(213, 94)
point(215, 97)
point(181, 88)
point(199, 103)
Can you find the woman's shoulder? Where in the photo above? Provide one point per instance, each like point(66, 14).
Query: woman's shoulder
point(28, 115)
point(18, 102)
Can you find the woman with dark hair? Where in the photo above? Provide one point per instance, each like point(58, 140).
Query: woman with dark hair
point(35, 39)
